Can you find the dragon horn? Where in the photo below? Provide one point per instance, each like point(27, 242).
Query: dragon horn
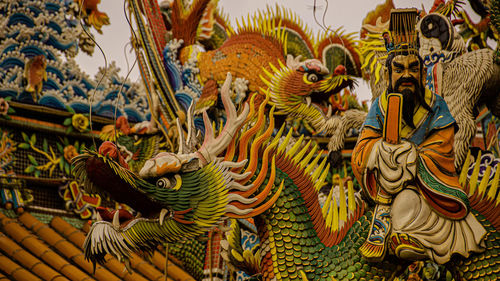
point(189, 145)
point(182, 144)
point(292, 62)
point(214, 146)
point(191, 137)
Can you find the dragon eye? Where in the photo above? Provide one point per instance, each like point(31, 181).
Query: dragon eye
point(163, 183)
point(312, 77)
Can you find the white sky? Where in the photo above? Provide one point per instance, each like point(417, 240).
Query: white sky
point(346, 13)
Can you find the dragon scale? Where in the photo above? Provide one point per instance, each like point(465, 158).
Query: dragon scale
point(245, 56)
point(290, 242)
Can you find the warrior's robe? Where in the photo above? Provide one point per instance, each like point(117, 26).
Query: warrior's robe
point(433, 208)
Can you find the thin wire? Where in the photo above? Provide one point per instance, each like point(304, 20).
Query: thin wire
point(118, 99)
point(327, 28)
point(125, 54)
point(91, 99)
point(129, 70)
point(340, 36)
point(135, 39)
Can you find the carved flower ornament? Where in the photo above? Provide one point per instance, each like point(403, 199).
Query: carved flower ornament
point(4, 107)
point(69, 153)
point(80, 122)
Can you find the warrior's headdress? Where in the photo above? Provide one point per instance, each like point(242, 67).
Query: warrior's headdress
point(402, 35)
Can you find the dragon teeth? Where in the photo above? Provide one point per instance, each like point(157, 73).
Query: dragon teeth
point(162, 215)
point(116, 219)
point(329, 113)
point(127, 265)
point(308, 101)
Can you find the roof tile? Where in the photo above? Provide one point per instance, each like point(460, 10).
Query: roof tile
point(64, 247)
point(40, 249)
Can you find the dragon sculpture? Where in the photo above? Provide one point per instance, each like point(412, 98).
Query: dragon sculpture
point(182, 195)
point(271, 52)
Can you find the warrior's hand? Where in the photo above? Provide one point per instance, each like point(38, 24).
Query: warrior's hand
point(394, 165)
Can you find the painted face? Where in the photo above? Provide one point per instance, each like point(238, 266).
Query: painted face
point(405, 73)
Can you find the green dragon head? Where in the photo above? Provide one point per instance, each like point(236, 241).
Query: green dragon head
point(178, 195)
point(304, 89)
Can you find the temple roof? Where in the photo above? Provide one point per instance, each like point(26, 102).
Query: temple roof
point(33, 250)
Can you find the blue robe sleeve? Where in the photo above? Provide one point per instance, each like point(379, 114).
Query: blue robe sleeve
point(441, 117)
point(374, 116)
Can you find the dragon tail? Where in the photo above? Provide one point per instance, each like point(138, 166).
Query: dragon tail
point(185, 22)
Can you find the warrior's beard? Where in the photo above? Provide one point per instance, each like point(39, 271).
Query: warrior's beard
point(411, 99)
